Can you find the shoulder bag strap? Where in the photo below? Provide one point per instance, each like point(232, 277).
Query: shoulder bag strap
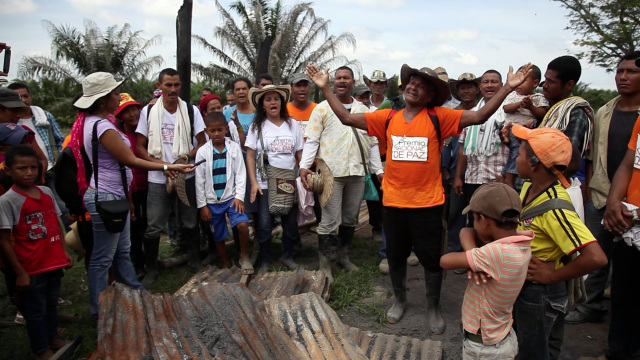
point(366, 168)
point(94, 154)
point(436, 124)
point(548, 205)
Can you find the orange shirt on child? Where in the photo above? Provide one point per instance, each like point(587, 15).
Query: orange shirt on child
point(412, 177)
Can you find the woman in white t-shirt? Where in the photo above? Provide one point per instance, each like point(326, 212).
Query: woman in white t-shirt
point(283, 141)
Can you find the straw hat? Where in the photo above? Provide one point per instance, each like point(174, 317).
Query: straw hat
point(177, 185)
point(321, 181)
point(255, 94)
point(95, 86)
point(72, 238)
point(442, 88)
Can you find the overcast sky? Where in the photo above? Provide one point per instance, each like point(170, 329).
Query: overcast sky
point(462, 36)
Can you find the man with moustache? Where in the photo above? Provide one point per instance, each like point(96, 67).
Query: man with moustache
point(339, 146)
point(611, 133)
point(481, 153)
point(166, 132)
point(413, 204)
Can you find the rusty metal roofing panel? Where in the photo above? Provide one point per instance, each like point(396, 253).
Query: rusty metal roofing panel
point(211, 319)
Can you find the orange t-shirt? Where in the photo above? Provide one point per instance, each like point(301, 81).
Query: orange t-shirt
point(301, 116)
point(633, 191)
point(412, 176)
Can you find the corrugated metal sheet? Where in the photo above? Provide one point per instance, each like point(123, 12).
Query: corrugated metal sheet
point(278, 316)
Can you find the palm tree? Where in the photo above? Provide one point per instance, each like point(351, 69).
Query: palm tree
point(271, 39)
point(74, 54)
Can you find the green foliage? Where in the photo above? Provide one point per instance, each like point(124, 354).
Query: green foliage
point(392, 90)
point(270, 39)
point(596, 97)
point(75, 54)
point(606, 29)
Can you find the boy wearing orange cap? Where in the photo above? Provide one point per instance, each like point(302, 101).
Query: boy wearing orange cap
point(542, 303)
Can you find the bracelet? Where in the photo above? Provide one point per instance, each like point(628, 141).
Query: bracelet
point(165, 167)
point(240, 129)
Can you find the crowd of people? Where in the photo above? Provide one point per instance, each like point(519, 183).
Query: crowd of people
point(526, 192)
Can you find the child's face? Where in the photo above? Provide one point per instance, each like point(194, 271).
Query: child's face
point(216, 131)
point(523, 163)
point(24, 171)
point(480, 225)
point(527, 87)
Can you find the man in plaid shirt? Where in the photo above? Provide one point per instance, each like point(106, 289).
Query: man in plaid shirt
point(482, 152)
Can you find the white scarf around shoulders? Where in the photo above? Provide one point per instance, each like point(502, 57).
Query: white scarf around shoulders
point(39, 116)
point(181, 131)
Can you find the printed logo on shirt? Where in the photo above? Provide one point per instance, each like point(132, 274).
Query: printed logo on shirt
point(35, 226)
point(409, 148)
point(167, 133)
point(636, 158)
point(303, 125)
point(527, 222)
point(281, 144)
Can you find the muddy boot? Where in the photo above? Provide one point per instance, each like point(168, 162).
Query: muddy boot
point(399, 283)
point(433, 281)
point(346, 239)
point(191, 237)
point(151, 247)
point(324, 250)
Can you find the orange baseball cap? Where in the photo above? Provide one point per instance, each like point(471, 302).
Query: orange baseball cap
point(551, 146)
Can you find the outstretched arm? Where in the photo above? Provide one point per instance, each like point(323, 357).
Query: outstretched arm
point(470, 117)
point(321, 79)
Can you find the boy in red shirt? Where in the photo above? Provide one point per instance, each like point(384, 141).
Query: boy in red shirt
point(37, 255)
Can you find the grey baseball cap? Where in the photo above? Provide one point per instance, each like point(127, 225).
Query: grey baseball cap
point(361, 89)
point(10, 99)
point(296, 78)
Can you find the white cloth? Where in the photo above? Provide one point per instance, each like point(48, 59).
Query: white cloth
point(484, 139)
point(575, 193)
point(281, 142)
point(167, 136)
point(157, 131)
point(39, 116)
point(305, 203)
point(236, 175)
point(631, 237)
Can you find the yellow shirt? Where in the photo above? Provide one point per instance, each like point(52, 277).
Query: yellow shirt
point(557, 232)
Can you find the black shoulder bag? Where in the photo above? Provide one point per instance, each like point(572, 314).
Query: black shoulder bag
point(114, 213)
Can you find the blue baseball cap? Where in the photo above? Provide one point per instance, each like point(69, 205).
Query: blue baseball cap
point(12, 134)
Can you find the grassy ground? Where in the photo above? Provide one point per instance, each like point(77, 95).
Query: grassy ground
point(350, 290)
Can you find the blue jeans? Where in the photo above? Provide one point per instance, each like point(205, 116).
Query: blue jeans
point(514, 146)
point(39, 306)
point(109, 250)
point(538, 315)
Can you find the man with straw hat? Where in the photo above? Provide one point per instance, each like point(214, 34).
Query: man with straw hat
point(412, 183)
point(348, 153)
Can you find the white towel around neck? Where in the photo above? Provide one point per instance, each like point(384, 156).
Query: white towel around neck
point(181, 131)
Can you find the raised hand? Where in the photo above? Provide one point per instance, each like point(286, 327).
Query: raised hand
point(321, 79)
point(513, 80)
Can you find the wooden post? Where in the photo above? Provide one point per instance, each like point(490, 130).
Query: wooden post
point(183, 50)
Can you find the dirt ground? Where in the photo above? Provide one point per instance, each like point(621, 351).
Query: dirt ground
point(579, 340)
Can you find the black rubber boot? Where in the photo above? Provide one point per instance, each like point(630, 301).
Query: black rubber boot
point(151, 247)
point(399, 284)
point(324, 251)
point(345, 234)
point(433, 281)
point(191, 237)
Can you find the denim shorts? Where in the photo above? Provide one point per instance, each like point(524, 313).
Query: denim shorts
point(218, 220)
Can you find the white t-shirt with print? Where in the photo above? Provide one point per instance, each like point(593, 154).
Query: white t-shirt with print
point(282, 143)
point(168, 125)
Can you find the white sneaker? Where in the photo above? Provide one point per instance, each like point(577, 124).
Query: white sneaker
point(413, 259)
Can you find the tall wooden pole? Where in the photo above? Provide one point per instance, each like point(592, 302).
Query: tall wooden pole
point(183, 51)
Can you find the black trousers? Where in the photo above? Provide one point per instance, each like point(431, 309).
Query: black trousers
point(420, 229)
